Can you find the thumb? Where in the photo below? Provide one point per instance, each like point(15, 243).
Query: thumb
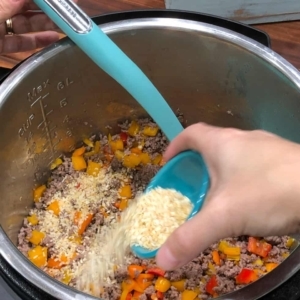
point(193, 237)
point(8, 8)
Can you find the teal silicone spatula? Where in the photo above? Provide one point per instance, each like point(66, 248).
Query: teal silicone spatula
point(109, 57)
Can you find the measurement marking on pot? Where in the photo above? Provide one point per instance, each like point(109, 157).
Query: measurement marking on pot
point(37, 90)
point(50, 112)
point(38, 99)
point(54, 145)
point(46, 127)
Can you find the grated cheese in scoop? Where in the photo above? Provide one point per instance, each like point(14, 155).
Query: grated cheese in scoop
point(147, 222)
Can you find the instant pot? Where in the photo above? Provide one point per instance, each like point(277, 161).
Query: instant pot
point(211, 69)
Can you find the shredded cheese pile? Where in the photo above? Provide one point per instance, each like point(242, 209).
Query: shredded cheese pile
point(147, 222)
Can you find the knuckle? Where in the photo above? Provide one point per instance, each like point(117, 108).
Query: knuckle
point(180, 244)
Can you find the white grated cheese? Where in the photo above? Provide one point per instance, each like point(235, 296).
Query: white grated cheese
point(148, 221)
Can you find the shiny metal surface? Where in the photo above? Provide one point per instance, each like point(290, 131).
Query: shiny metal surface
point(58, 96)
point(69, 12)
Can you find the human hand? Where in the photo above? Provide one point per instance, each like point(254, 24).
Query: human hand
point(29, 30)
point(254, 190)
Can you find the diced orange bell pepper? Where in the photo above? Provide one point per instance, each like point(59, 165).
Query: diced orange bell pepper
point(145, 158)
point(135, 270)
point(75, 239)
point(211, 269)
point(126, 295)
point(67, 277)
point(258, 272)
point(222, 245)
point(216, 257)
point(258, 247)
point(116, 145)
point(188, 295)
point(150, 131)
point(258, 262)
point(285, 254)
point(79, 152)
point(54, 263)
point(97, 147)
point(271, 266)
point(78, 163)
point(133, 128)
point(136, 295)
point(162, 284)
point(95, 150)
point(179, 285)
point(211, 284)
point(144, 280)
point(33, 219)
point(85, 224)
point(157, 159)
point(54, 207)
point(119, 155)
point(246, 276)
point(131, 160)
point(232, 253)
point(290, 242)
point(93, 168)
point(36, 237)
point(38, 192)
point(38, 256)
point(56, 163)
point(123, 204)
point(136, 150)
point(77, 217)
point(125, 191)
point(156, 271)
point(128, 285)
point(88, 142)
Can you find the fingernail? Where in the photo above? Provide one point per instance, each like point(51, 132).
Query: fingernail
point(166, 260)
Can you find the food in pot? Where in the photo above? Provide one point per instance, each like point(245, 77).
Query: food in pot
point(86, 195)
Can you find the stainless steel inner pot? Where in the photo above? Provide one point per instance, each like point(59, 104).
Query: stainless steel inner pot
point(58, 97)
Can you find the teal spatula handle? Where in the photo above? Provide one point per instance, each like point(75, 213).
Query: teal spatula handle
point(109, 57)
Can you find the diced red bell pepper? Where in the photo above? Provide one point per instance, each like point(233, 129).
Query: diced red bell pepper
point(129, 296)
point(258, 247)
point(211, 284)
point(160, 295)
point(156, 272)
point(124, 136)
point(246, 276)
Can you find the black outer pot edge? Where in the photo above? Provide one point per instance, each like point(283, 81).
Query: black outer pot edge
point(25, 289)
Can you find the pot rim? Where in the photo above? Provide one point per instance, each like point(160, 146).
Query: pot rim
point(47, 284)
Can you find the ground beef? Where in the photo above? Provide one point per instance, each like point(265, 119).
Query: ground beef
point(274, 240)
point(112, 292)
point(156, 144)
point(121, 274)
point(150, 290)
point(229, 270)
point(172, 294)
point(145, 174)
point(116, 165)
point(225, 285)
